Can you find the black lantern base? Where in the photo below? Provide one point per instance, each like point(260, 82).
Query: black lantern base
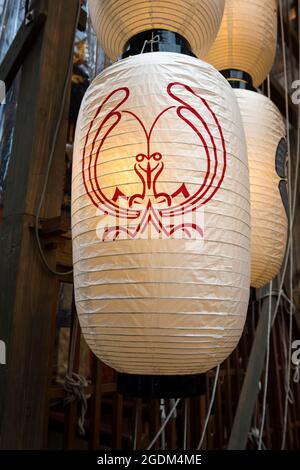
point(238, 79)
point(157, 40)
point(161, 386)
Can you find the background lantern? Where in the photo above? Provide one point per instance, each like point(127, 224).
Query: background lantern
point(159, 137)
point(247, 38)
point(117, 21)
point(265, 136)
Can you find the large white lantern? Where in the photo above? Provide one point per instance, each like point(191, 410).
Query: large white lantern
point(247, 38)
point(160, 216)
point(265, 135)
point(117, 21)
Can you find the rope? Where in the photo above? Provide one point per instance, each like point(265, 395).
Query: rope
point(75, 386)
point(164, 425)
point(57, 128)
point(185, 424)
point(266, 370)
point(288, 373)
point(163, 417)
point(296, 376)
point(153, 40)
point(210, 407)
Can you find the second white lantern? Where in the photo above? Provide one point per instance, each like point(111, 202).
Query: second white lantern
point(265, 135)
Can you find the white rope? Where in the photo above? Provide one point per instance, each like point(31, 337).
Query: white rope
point(162, 419)
point(210, 407)
point(75, 385)
point(266, 369)
point(164, 425)
point(136, 419)
point(185, 423)
point(288, 372)
point(153, 40)
point(296, 376)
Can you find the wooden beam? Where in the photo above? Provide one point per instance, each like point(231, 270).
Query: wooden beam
point(21, 45)
point(28, 295)
point(247, 399)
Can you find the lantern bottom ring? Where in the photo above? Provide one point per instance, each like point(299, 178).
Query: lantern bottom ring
point(161, 386)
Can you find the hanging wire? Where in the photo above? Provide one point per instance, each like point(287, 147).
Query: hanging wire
point(136, 421)
point(57, 128)
point(185, 423)
point(266, 370)
point(210, 407)
point(269, 295)
point(164, 425)
point(288, 372)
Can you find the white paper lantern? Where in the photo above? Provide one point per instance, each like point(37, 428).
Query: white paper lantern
point(264, 128)
point(247, 38)
point(117, 21)
point(160, 148)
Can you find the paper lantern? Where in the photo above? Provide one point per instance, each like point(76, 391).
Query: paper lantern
point(265, 134)
point(247, 38)
point(160, 216)
point(117, 21)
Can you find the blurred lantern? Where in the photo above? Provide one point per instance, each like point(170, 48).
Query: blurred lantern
point(265, 135)
point(247, 38)
point(160, 216)
point(244, 52)
point(117, 22)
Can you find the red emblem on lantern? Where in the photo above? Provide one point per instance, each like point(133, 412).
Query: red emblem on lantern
point(150, 205)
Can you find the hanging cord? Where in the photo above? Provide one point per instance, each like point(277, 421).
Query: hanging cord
point(164, 425)
point(285, 353)
point(57, 128)
point(285, 263)
point(296, 376)
point(162, 419)
point(269, 295)
point(210, 407)
point(185, 423)
point(290, 335)
point(136, 422)
point(153, 40)
point(75, 384)
point(266, 370)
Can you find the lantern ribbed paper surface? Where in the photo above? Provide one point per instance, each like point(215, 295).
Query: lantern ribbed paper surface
point(247, 38)
point(117, 21)
point(264, 128)
point(160, 216)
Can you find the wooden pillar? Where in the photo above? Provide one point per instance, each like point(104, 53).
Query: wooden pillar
point(28, 295)
point(248, 396)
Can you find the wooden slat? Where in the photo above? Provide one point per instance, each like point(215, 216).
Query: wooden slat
point(95, 406)
point(20, 47)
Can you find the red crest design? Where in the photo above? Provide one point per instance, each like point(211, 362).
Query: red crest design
point(149, 166)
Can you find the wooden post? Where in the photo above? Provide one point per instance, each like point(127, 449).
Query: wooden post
point(247, 399)
point(28, 296)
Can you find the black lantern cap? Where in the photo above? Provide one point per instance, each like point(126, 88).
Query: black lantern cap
point(238, 79)
point(157, 40)
point(161, 386)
